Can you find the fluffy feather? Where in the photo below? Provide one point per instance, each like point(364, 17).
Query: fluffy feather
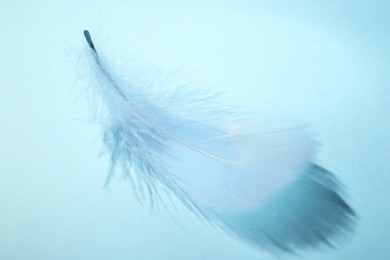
point(255, 183)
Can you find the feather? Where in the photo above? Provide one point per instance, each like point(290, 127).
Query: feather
point(256, 183)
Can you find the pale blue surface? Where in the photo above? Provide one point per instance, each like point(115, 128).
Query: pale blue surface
point(324, 63)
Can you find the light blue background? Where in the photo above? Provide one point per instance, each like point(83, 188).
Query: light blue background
point(324, 63)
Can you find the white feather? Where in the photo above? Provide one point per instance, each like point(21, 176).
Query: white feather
point(257, 183)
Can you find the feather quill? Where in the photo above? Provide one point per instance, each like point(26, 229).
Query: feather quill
point(258, 184)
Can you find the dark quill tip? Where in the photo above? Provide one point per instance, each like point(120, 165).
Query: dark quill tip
point(88, 38)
